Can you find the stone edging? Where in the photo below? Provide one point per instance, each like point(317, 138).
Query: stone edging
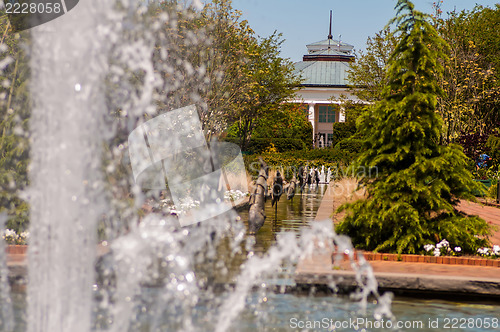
point(16, 249)
point(448, 260)
point(477, 261)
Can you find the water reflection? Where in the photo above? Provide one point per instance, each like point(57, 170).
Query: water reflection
point(291, 215)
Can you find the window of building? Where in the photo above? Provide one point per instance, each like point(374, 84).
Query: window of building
point(326, 114)
point(329, 139)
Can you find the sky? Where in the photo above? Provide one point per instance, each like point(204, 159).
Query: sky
point(306, 21)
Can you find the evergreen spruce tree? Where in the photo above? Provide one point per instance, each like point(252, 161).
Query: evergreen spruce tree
point(412, 200)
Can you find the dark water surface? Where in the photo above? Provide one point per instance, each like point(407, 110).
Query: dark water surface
point(290, 215)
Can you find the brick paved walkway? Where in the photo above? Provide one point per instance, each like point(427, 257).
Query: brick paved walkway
point(489, 213)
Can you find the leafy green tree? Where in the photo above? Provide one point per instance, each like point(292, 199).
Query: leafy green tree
point(412, 200)
point(367, 74)
point(285, 121)
point(273, 82)
point(470, 104)
point(480, 25)
point(216, 62)
point(14, 114)
point(225, 58)
point(347, 129)
point(204, 56)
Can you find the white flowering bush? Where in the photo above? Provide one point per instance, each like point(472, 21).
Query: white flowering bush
point(442, 248)
point(185, 204)
point(234, 195)
point(11, 237)
point(493, 252)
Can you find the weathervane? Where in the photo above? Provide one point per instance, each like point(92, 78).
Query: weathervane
point(330, 37)
point(330, 34)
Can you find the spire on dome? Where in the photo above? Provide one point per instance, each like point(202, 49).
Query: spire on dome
point(330, 36)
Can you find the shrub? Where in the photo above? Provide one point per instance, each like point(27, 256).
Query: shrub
point(259, 145)
point(290, 161)
point(351, 145)
point(343, 130)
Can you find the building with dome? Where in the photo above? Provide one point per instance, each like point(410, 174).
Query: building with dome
point(325, 85)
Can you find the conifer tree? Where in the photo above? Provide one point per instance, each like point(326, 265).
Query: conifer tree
point(412, 200)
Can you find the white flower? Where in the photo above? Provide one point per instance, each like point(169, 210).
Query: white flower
point(443, 243)
point(437, 252)
point(234, 195)
point(11, 233)
point(10, 236)
point(496, 250)
point(429, 247)
point(439, 245)
point(458, 249)
point(483, 251)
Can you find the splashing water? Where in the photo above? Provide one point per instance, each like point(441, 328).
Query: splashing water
point(99, 59)
point(68, 61)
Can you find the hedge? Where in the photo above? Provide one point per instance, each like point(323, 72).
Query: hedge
point(292, 160)
point(352, 145)
point(342, 130)
point(258, 145)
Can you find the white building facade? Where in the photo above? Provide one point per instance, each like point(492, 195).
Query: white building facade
point(325, 86)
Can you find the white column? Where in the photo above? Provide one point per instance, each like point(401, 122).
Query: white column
point(311, 119)
point(342, 115)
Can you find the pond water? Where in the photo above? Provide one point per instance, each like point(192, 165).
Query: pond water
point(290, 215)
point(292, 312)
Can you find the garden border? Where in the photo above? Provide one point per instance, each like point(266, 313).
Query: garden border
point(453, 260)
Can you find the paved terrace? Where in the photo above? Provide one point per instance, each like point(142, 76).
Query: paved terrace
point(410, 274)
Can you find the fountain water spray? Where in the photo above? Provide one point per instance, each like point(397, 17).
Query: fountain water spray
point(68, 62)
